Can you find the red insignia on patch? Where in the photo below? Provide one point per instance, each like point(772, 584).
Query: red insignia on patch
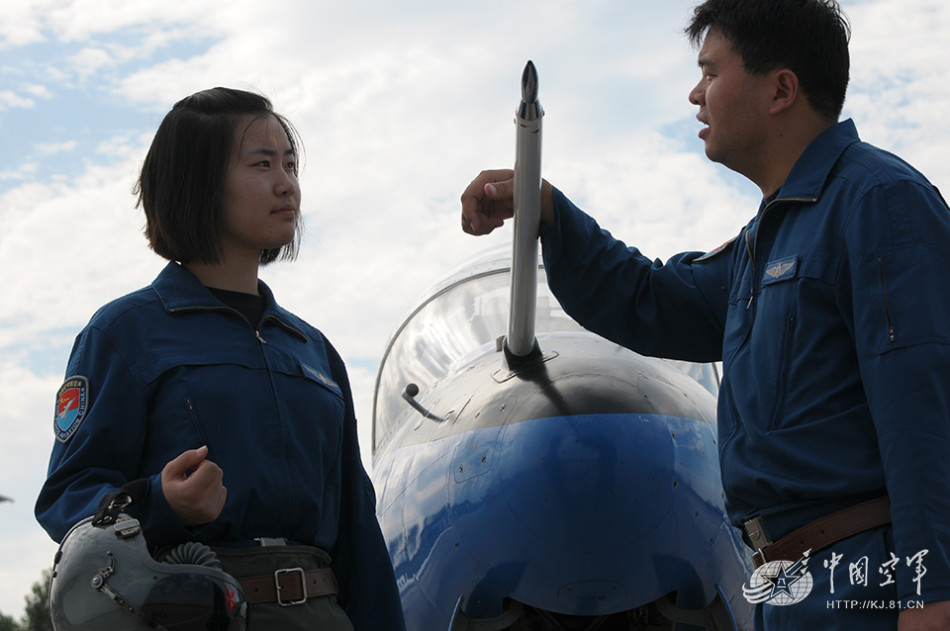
point(725, 247)
point(70, 407)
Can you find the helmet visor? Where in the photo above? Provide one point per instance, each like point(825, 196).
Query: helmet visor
point(196, 602)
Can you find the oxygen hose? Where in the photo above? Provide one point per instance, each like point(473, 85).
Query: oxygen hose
point(191, 553)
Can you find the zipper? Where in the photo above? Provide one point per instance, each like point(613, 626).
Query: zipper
point(753, 246)
point(780, 390)
point(193, 415)
point(257, 331)
point(887, 306)
point(751, 250)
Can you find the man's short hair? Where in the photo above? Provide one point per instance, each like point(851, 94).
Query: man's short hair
point(809, 37)
point(181, 184)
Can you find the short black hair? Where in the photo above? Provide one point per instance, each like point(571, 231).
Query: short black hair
point(809, 37)
point(181, 184)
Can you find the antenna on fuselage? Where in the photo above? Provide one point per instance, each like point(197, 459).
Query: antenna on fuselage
point(521, 343)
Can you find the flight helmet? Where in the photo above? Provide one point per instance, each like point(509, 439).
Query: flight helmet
point(104, 578)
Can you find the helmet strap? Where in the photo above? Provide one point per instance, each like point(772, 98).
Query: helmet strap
point(114, 503)
point(100, 582)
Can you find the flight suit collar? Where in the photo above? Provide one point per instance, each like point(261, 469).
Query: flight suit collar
point(180, 290)
point(808, 177)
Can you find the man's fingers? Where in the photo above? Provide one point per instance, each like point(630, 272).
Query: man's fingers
point(501, 190)
point(487, 201)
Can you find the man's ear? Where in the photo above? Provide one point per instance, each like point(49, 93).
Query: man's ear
point(785, 90)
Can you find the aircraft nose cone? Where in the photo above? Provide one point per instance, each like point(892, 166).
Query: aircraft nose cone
point(582, 482)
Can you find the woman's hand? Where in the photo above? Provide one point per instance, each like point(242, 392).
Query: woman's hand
point(193, 487)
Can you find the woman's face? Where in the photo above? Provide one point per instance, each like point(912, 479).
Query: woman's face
point(261, 192)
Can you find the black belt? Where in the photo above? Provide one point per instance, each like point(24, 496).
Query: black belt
point(817, 535)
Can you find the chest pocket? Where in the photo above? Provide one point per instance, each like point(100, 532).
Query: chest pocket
point(333, 399)
point(305, 389)
point(321, 378)
point(780, 271)
point(310, 419)
point(292, 407)
point(774, 337)
point(758, 345)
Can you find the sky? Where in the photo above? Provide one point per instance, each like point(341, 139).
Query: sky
point(400, 105)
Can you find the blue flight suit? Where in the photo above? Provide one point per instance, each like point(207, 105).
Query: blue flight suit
point(170, 368)
point(831, 316)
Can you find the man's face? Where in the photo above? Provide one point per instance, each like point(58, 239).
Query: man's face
point(733, 106)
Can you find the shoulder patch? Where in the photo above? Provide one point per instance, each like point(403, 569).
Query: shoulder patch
point(722, 249)
point(71, 403)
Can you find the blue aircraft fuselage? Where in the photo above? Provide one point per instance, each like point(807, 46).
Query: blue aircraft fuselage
point(580, 484)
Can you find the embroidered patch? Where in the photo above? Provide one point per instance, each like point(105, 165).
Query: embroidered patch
point(783, 269)
point(725, 247)
point(319, 376)
point(70, 407)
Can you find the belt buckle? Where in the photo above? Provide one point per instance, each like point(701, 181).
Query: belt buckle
point(303, 586)
point(758, 538)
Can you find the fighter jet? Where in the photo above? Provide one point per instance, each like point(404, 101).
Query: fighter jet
point(569, 484)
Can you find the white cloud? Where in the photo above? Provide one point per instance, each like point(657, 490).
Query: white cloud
point(80, 20)
point(24, 171)
point(23, 97)
point(899, 82)
point(90, 60)
point(57, 233)
point(25, 549)
point(8, 98)
point(37, 90)
point(20, 22)
point(52, 148)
